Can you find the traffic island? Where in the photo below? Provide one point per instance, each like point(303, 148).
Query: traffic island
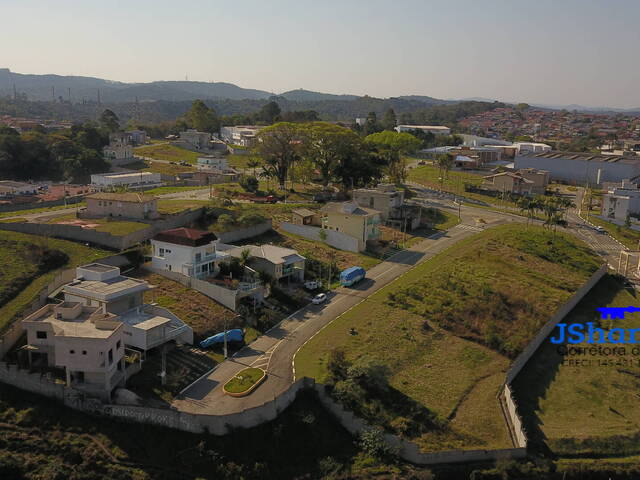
point(244, 382)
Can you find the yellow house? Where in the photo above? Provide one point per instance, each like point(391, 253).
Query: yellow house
point(353, 220)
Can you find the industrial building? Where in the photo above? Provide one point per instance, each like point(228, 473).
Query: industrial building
point(581, 168)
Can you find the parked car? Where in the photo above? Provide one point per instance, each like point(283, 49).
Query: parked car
point(352, 275)
point(185, 164)
point(312, 284)
point(318, 299)
point(599, 229)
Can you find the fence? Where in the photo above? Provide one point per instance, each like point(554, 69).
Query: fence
point(338, 240)
point(242, 233)
point(115, 242)
point(16, 207)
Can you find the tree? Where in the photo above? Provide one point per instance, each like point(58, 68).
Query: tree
point(249, 183)
point(109, 121)
point(202, 118)
point(327, 146)
point(389, 121)
point(279, 146)
point(253, 163)
point(371, 124)
point(245, 257)
point(269, 112)
point(392, 146)
point(444, 162)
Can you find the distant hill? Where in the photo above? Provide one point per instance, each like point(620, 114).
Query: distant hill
point(426, 100)
point(302, 95)
point(46, 87)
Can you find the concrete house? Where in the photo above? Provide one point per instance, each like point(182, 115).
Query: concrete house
point(278, 262)
point(242, 135)
point(84, 341)
point(213, 162)
point(508, 182)
point(9, 188)
point(351, 219)
point(384, 198)
point(187, 251)
point(304, 216)
point(127, 205)
point(435, 129)
point(145, 326)
point(621, 201)
point(540, 179)
point(195, 139)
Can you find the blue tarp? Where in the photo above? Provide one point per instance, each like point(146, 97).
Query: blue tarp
point(235, 335)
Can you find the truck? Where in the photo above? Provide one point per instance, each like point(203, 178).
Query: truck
point(352, 275)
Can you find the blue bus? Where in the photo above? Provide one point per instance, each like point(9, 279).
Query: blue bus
point(352, 275)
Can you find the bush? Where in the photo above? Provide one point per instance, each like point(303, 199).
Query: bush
point(373, 444)
point(250, 183)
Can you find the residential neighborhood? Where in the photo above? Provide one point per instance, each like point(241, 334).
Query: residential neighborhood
point(320, 242)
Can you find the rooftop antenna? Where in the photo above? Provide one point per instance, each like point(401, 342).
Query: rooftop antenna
point(53, 93)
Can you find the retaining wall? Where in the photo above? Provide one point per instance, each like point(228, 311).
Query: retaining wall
point(338, 240)
point(46, 204)
point(220, 294)
point(546, 330)
point(242, 233)
point(115, 242)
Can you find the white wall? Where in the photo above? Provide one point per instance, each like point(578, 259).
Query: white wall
point(338, 240)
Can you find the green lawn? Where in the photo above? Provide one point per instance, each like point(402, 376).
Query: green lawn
point(19, 257)
point(591, 409)
point(628, 237)
point(167, 152)
point(447, 328)
point(158, 167)
point(244, 380)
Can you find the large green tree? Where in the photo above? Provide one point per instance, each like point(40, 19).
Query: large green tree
point(202, 118)
point(280, 146)
point(389, 120)
point(109, 121)
point(269, 113)
point(392, 146)
point(328, 146)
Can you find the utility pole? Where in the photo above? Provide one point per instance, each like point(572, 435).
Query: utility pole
point(53, 93)
point(225, 338)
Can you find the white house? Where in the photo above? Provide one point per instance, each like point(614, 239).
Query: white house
point(11, 188)
point(187, 251)
point(531, 147)
point(118, 152)
point(621, 201)
point(213, 163)
point(195, 139)
point(133, 180)
point(243, 135)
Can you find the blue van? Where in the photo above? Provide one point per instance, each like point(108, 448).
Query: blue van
point(351, 275)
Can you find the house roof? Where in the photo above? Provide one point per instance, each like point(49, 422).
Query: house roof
point(304, 212)
point(348, 208)
point(123, 197)
point(272, 253)
point(186, 236)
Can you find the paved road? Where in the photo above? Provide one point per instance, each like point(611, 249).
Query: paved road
point(275, 350)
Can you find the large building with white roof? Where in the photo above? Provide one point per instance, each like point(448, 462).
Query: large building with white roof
point(434, 129)
point(132, 180)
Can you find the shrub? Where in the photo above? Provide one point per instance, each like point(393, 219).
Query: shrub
point(250, 183)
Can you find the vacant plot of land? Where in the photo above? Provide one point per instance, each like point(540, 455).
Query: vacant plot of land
point(169, 206)
point(164, 190)
point(590, 408)
point(167, 152)
point(108, 225)
point(158, 167)
point(28, 264)
point(445, 330)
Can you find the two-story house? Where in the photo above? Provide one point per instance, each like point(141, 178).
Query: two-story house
point(187, 251)
point(84, 341)
point(145, 326)
point(351, 219)
point(277, 262)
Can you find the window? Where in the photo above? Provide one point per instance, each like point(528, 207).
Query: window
point(40, 334)
point(161, 252)
point(84, 352)
point(110, 356)
point(72, 352)
point(118, 344)
point(198, 257)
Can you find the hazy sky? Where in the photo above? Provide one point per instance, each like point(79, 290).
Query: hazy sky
point(539, 51)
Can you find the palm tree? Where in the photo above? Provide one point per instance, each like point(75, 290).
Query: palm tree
point(253, 164)
point(245, 256)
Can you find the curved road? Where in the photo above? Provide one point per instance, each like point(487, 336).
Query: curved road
point(274, 351)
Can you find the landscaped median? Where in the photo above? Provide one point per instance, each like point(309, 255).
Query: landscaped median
point(425, 356)
point(244, 382)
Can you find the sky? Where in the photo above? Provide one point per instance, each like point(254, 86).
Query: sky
point(555, 52)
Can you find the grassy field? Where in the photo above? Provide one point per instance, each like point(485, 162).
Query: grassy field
point(169, 206)
point(20, 267)
point(114, 227)
point(165, 190)
point(30, 211)
point(158, 167)
point(590, 409)
point(445, 330)
point(167, 152)
point(628, 237)
point(454, 182)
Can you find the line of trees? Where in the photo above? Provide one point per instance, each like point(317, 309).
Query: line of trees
point(332, 153)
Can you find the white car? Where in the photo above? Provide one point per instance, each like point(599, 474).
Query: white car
point(312, 284)
point(599, 229)
point(318, 299)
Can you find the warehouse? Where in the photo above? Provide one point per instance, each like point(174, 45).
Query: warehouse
point(580, 168)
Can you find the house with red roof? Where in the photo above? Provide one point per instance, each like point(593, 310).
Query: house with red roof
point(187, 251)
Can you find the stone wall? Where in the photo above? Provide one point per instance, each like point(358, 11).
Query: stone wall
point(338, 240)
